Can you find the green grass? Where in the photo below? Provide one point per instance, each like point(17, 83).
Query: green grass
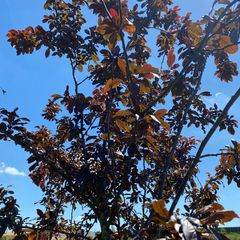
point(233, 236)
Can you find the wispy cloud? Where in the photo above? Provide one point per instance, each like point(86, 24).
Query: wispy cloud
point(219, 98)
point(10, 170)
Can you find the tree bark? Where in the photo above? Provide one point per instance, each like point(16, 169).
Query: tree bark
point(105, 230)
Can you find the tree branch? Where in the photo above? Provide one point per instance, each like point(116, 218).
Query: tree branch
point(74, 76)
point(56, 231)
point(201, 148)
point(179, 130)
point(53, 165)
point(187, 65)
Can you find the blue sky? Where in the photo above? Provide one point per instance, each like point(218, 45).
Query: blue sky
point(30, 79)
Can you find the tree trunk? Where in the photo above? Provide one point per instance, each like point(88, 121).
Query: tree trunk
point(105, 230)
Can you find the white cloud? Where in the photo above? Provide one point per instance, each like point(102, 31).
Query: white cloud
point(10, 170)
point(219, 98)
point(218, 94)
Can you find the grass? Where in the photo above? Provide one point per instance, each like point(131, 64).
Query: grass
point(7, 237)
point(233, 235)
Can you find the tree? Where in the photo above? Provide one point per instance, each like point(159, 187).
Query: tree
point(121, 153)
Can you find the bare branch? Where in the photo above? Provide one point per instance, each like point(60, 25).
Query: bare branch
point(201, 148)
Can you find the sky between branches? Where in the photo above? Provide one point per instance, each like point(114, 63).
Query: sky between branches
point(30, 80)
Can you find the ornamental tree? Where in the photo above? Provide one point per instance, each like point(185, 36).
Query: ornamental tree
point(120, 153)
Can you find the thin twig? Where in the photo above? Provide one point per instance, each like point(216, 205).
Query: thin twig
point(73, 188)
point(83, 80)
point(201, 44)
point(222, 49)
point(200, 150)
point(74, 76)
point(179, 130)
point(90, 126)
